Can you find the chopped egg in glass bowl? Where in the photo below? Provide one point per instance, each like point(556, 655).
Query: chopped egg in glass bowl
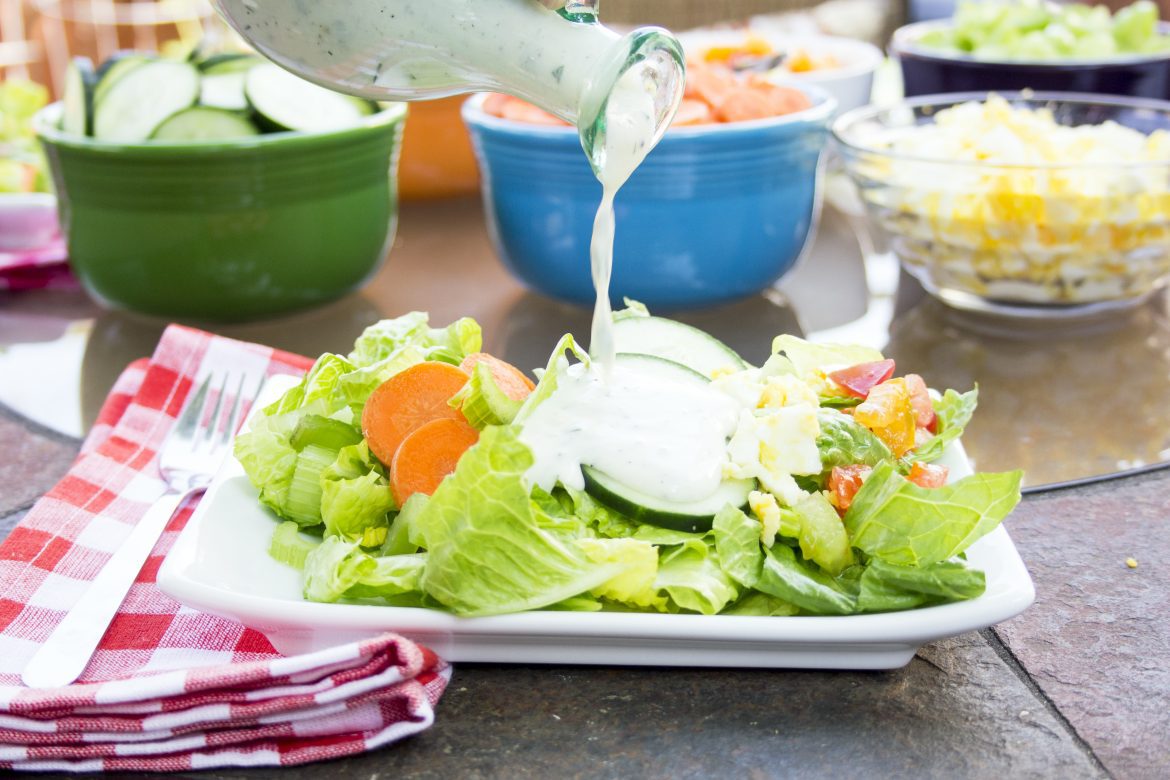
point(1041, 204)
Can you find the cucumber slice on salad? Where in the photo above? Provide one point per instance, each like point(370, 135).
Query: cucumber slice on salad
point(138, 102)
point(680, 516)
point(287, 102)
point(77, 115)
point(204, 124)
point(692, 516)
point(676, 342)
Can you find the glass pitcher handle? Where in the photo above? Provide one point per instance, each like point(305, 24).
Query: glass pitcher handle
point(584, 11)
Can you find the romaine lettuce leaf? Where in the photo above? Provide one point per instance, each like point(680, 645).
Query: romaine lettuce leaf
point(387, 337)
point(635, 585)
point(886, 587)
point(268, 458)
point(356, 497)
point(557, 363)
point(737, 540)
point(486, 550)
point(805, 358)
point(894, 520)
point(954, 411)
point(761, 604)
point(392, 575)
point(843, 442)
point(797, 582)
point(333, 567)
point(692, 577)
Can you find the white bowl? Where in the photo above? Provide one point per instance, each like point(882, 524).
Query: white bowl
point(27, 220)
point(850, 83)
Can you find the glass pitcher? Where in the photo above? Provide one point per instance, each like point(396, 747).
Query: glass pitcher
point(563, 61)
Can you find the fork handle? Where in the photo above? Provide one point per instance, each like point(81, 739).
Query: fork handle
point(66, 653)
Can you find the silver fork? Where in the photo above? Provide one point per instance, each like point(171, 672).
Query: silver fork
point(188, 459)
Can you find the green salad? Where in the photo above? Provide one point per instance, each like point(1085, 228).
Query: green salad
point(22, 166)
point(1034, 30)
point(415, 471)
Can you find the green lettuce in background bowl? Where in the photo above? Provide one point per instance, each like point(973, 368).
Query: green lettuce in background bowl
point(22, 165)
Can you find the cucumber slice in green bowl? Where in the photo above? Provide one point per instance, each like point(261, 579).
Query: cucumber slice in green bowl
point(231, 62)
point(202, 123)
point(77, 99)
point(283, 101)
point(117, 66)
point(137, 103)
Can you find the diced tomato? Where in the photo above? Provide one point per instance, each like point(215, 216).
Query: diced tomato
point(858, 380)
point(920, 402)
point(887, 412)
point(845, 481)
point(928, 475)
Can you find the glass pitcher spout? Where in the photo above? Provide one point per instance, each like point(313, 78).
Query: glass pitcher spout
point(562, 60)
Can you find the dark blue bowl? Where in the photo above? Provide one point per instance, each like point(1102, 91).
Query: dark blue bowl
point(927, 71)
point(715, 212)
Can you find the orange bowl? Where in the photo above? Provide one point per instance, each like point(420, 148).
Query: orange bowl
point(437, 161)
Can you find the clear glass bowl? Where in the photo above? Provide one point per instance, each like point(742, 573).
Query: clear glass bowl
point(1051, 239)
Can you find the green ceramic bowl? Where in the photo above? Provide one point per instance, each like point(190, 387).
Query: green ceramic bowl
point(227, 230)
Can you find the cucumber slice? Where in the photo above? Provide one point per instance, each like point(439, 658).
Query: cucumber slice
point(680, 516)
point(204, 124)
point(145, 97)
point(228, 63)
point(286, 102)
point(114, 68)
point(223, 90)
point(694, 516)
point(77, 115)
point(675, 341)
point(661, 367)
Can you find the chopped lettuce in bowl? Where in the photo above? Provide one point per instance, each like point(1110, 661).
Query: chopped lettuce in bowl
point(862, 521)
point(22, 165)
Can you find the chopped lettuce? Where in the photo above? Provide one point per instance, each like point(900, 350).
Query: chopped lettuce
point(557, 363)
point(450, 344)
point(886, 586)
point(794, 580)
point(894, 520)
point(486, 550)
point(692, 577)
point(843, 442)
point(803, 358)
point(954, 411)
point(356, 498)
point(737, 540)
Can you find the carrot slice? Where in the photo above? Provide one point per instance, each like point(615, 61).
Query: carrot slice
point(428, 455)
point(692, 112)
point(407, 401)
point(508, 378)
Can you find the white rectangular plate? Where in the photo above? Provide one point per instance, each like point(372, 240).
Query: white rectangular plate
point(220, 565)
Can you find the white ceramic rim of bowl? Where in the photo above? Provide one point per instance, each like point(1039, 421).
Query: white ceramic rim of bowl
point(824, 105)
point(859, 115)
point(863, 56)
point(905, 39)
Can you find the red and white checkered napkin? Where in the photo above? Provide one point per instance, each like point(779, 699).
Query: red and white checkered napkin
point(170, 688)
point(37, 269)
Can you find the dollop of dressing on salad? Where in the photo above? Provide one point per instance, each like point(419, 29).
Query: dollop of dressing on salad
point(664, 438)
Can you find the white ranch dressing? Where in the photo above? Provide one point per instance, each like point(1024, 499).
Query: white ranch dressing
point(630, 120)
point(664, 438)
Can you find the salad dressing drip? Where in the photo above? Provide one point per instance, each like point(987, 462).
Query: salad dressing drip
point(631, 124)
point(666, 439)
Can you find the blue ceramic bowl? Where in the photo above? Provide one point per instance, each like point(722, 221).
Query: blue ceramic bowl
point(715, 212)
point(927, 71)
